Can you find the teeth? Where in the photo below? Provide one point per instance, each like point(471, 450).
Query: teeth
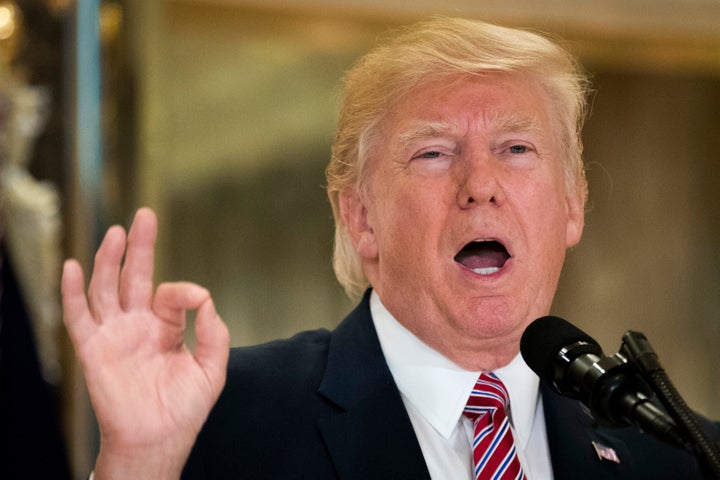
point(486, 271)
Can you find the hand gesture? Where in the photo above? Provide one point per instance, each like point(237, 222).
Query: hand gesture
point(150, 393)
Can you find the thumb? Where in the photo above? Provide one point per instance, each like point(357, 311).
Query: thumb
point(212, 346)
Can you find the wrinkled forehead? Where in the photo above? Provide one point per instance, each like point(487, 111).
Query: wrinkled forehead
point(497, 103)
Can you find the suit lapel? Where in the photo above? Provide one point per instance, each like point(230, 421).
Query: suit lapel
point(576, 443)
point(372, 436)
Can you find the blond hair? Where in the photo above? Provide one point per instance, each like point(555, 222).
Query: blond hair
point(433, 50)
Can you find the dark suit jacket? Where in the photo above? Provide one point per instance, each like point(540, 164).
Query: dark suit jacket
point(323, 405)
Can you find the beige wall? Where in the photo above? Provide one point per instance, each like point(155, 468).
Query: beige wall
point(236, 113)
point(649, 260)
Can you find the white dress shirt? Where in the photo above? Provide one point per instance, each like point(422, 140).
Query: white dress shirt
point(435, 391)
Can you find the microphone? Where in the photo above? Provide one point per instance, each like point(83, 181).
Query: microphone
point(573, 364)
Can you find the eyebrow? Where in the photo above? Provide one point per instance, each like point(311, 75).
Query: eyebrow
point(507, 122)
point(516, 122)
point(424, 131)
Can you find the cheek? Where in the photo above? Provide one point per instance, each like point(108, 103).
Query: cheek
point(394, 228)
point(399, 205)
point(405, 224)
point(409, 214)
point(548, 215)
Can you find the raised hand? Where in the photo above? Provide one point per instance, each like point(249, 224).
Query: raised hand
point(150, 393)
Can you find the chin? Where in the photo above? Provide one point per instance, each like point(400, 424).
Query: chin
point(492, 321)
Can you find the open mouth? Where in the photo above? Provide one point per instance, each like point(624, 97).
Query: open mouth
point(483, 257)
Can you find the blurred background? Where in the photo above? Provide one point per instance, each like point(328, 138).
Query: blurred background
point(220, 114)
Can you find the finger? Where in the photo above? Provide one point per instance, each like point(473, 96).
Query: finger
point(173, 299)
point(103, 289)
point(76, 313)
point(212, 344)
point(171, 302)
point(136, 278)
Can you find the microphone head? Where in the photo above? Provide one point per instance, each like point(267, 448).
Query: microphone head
point(544, 339)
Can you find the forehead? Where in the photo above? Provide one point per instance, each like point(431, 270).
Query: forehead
point(494, 103)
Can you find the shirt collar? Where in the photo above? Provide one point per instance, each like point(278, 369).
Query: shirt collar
point(438, 388)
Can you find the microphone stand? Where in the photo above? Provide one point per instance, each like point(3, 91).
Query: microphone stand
point(637, 349)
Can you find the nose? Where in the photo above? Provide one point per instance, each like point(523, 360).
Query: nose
point(479, 181)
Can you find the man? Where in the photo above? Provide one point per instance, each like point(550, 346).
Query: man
point(457, 186)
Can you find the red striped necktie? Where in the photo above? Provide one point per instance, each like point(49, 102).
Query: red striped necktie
point(494, 454)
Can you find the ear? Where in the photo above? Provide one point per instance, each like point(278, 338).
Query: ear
point(575, 206)
point(354, 213)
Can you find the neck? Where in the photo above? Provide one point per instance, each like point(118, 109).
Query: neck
point(474, 355)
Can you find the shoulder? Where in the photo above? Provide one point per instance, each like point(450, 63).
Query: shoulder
point(311, 342)
point(305, 355)
point(300, 357)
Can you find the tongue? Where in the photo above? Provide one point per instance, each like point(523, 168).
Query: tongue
point(485, 259)
point(485, 255)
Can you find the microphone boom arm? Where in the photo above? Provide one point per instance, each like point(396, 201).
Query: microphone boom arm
point(636, 347)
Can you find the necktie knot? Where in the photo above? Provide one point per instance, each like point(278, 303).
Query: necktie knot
point(487, 396)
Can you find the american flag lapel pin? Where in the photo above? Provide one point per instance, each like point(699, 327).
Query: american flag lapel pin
point(605, 453)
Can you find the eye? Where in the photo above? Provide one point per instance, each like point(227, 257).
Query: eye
point(517, 152)
point(434, 159)
point(430, 154)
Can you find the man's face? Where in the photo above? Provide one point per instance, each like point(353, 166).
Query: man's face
point(466, 220)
